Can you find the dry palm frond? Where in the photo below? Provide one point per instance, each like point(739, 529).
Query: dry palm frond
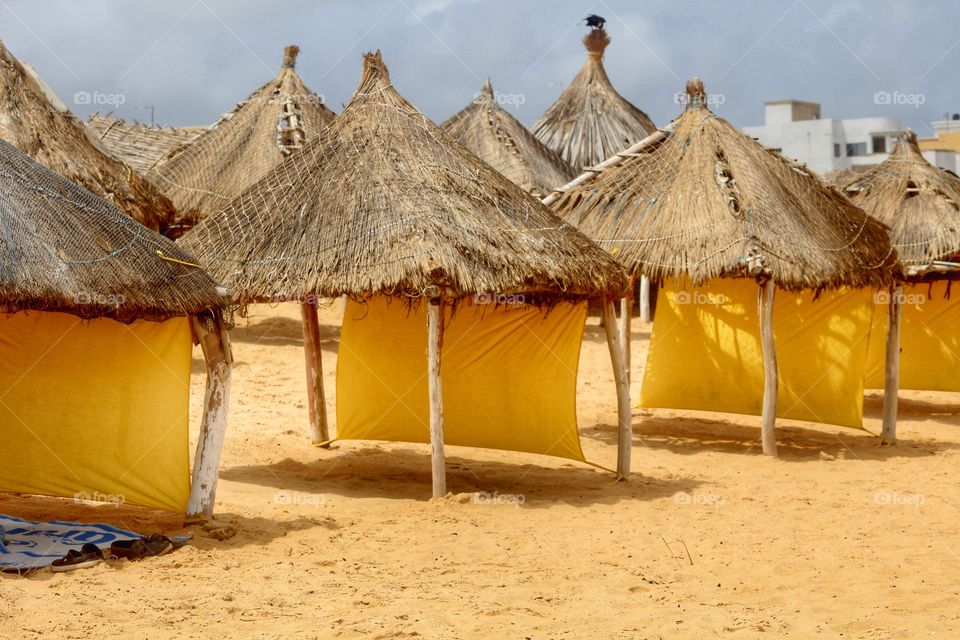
point(50, 134)
point(385, 202)
point(203, 175)
point(919, 202)
point(139, 145)
point(497, 138)
point(590, 121)
point(64, 249)
point(706, 201)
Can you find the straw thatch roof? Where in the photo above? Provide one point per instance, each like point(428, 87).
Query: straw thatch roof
point(590, 121)
point(497, 138)
point(41, 126)
point(706, 201)
point(205, 174)
point(139, 145)
point(64, 249)
point(919, 202)
point(384, 201)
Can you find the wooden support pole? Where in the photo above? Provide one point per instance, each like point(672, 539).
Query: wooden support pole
point(313, 355)
point(626, 318)
point(645, 298)
point(768, 416)
point(215, 343)
point(434, 343)
point(618, 359)
point(891, 380)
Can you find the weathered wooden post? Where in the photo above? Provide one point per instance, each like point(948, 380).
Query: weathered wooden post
point(891, 379)
point(618, 359)
point(215, 344)
point(768, 416)
point(645, 298)
point(434, 344)
point(313, 355)
point(626, 318)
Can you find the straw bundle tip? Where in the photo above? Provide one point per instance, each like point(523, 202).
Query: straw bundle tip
point(290, 55)
point(696, 94)
point(373, 68)
point(596, 42)
point(487, 87)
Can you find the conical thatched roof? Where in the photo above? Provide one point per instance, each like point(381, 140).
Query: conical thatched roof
point(46, 131)
point(385, 202)
point(706, 201)
point(497, 138)
point(919, 202)
point(590, 121)
point(205, 174)
point(139, 145)
point(64, 249)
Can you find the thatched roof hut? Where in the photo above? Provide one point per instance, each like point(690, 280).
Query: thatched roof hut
point(38, 124)
point(920, 203)
point(139, 145)
point(701, 201)
point(383, 201)
point(706, 201)
point(497, 138)
point(62, 243)
point(590, 121)
point(204, 175)
point(114, 384)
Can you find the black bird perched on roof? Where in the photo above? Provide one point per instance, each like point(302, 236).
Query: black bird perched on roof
point(595, 21)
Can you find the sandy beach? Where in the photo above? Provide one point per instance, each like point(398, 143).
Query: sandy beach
point(838, 538)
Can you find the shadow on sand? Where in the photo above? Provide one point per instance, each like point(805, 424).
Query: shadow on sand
point(692, 435)
point(404, 473)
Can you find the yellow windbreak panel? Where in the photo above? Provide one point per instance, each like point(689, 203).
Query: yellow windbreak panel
point(95, 409)
point(508, 373)
point(705, 352)
point(929, 339)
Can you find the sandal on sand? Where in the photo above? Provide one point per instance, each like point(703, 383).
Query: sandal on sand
point(88, 556)
point(155, 545)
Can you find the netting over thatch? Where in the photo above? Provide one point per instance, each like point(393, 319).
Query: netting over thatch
point(64, 249)
point(139, 145)
point(919, 202)
point(497, 138)
point(385, 202)
point(590, 121)
point(205, 174)
point(705, 201)
point(51, 135)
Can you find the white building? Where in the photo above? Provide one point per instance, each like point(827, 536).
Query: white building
point(796, 128)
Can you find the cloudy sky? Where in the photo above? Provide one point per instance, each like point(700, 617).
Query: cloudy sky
point(193, 59)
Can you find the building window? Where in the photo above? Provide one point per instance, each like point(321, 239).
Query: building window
point(836, 151)
point(857, 149)
point(879, 144)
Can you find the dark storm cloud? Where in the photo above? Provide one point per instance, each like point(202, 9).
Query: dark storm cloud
point(193, 59)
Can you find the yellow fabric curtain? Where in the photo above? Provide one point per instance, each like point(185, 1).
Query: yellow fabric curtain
point(509, 375)
point(95, 409)
point(705, 352)
point(929, 339)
